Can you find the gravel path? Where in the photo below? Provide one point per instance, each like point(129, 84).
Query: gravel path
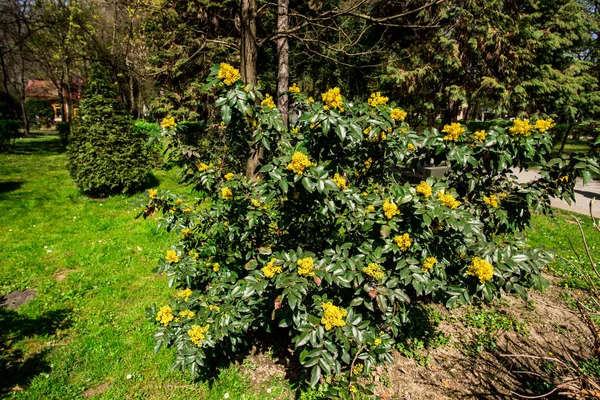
point(583, 194)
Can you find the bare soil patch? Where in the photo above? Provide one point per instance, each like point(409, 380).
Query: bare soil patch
point(14, 300)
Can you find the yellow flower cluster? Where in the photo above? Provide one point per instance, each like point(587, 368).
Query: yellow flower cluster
point(333, 316)
point(411, 147)
point(491, 200)
point(374, 270)
point(368, 163)
point(370, 208)
point(358, 368)
point(332, 99)
point(295, 130)
point(216, 309)
point(377, 342)
point(268, 101)
point(424, 189)
point(172, 256)
point(452, 131)
point(228, 74)
point(202, 166)
point(152, 193)
point(216, 267)
point(197, 334)
point(169, 122)
point(294, 88)
point(480, 135)
point(310, 100)
point(377, 99)
point(398, 114)
point(403, 241)
point(185, 294)
point(165, 315)
point(543, 125)
point(340, 181)
point(448, 199)
point(299, 163)
point(186, 233)
point(428, 264)
point(226, 193)
point(229, 176)
point(186, 314)
point(255, 202)
point(521, 127)
point(564, 178)
point(390, 209)
point(270, 270)
point(306, 267)
point(481, 269)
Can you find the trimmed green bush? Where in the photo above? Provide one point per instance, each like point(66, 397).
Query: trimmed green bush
point(331, 241)
point(39, 112)
point(106, 156)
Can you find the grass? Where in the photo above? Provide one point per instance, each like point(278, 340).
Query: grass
point(90, 262)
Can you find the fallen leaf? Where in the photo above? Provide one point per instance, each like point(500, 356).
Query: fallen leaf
point(138, 248)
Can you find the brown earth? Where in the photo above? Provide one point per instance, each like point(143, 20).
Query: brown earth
point(16, 299)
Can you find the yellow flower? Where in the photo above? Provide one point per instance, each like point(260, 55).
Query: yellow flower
point(481, 269)
point(247, 88)
point(165, 315)
point(306, 267)
point(340, 181)
point(353, 388)
point(428, 264)
point(187, 210)
point(370, 209)
point(390, 209)
point(367, 131)
point(186, 314)
point(185, 294)
point(448, 199)
point(358, 368)
point(452, 131)
point(295, 130)
point(268, 101)
point(229, 176)
point(368, 163)
point(229, 74)
point(480, 135)
point(374, 270)
point(202, 166)
point(564, 178)
point(403, 241)
point(197, 334)
point(411, 147)
point(216, 309)
point(377, 99)
point(216, 267)
point(193, 254)
point(424, 189)
point(521, 127)
point(172, 256)
point(332, 99)
point(299, 163)
point(543, 125)
point(186, 233)
point(294, 88)
point(270, 270)
point(310, 100)
point(398, 114)
point(226, 193)
point(169, 122)
point(333, 316)
point(152, 193)
point(377, 342)
point(491, 200)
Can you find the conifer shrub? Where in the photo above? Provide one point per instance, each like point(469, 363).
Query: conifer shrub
point(105, 155)
point(331, 242)
point(64, 130)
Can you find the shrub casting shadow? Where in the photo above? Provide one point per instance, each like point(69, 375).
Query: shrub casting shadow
point(44, 146)
point(10, 186)
point(16, 367)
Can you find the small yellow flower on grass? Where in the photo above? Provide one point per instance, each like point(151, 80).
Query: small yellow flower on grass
point(452, 131)
point(424, 188)
point(270, 270)
point(185, 294)
point(340, 181)
point(228, 74)
point(521, 127)
point(169, 122)
point(165, 315)
point(491, 201)
point(172, 256)
point(268, 101)
point(480, 135)
point(294, 88)
point(377, 99)
point(390, 209)
point(403, 241)
point(306, 267)
point(229, 176)
point(428, 264)
point(333, 316)
point(398, 114)
point(543, 125)
point(299, 163)
point(481, 269)
point(226, 193)
point(374, 270)
point(332, 99)
point(448, 200)
point(197, 334)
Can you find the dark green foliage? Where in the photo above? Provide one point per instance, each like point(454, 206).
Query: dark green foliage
point(9, 108)
point(39, 112)
point(106, 155)
point(151, 132)
point(9, 129)
point(64, 130)
point(192, 133)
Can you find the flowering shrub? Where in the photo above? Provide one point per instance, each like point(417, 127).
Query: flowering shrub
point(332, 240)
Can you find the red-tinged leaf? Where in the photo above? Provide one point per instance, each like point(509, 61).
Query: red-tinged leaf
point(317, 280)
point(373, 293)
point(278, 303)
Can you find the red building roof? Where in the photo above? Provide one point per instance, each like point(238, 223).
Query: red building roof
point(43, 90)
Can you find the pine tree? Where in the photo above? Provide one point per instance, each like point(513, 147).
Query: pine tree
point(105, 155)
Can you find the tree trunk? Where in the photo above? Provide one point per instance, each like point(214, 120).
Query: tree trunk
point(564, 141)
point(131, 94)
point(283, 72)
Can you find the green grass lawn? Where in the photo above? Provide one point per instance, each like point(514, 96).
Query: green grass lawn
point(91, 263)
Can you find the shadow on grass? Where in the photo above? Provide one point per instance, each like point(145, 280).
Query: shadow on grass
point(10, 186)
point(18, 368)
point(42, 145)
